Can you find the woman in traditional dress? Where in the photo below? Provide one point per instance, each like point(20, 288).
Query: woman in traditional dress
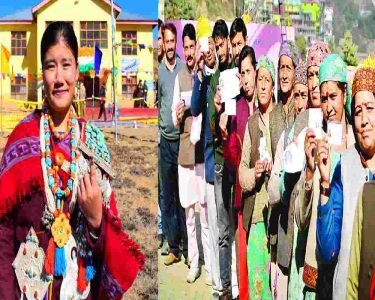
point(282, 189)
point(61, 235)
point(348, 190)
point(360, 285)
point(254, 170)
point(334, 97)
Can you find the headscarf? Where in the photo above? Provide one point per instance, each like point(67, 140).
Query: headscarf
point(290, 49)
point(333, 68)
point(317, 53)
point(301, 73)
point(266, 62)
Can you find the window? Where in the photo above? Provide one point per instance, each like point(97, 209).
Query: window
point(129, 85)
point(18, 42)
point(94, 32)
point(129, 37)
point(18, 88)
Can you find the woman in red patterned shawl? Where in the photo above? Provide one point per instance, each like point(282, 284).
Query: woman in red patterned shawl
point(60, 234)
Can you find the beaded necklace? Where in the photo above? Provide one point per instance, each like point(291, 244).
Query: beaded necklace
point(57, 220)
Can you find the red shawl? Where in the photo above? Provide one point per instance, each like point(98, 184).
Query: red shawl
point(21, 173)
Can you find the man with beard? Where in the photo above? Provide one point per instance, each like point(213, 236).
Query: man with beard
point(161, 232)
point(173, 214)
point(238, 38)
point(160, 41)
point(223, 178)
point(199, 101)
point(233, 130)
point(191, 156)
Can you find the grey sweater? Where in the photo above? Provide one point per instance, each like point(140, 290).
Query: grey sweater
point(165, 91)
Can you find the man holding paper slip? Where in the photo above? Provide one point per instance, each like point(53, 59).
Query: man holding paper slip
point(199, 103)
point(173, 214)
point(191, 178)
point(224, 180)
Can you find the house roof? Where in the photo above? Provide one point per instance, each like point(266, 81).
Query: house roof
point(25, 16)
point(45, 2)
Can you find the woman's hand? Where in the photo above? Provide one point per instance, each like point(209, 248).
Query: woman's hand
point(324, 161)
point(310, 148)
point(90, 198)
point(260, 168)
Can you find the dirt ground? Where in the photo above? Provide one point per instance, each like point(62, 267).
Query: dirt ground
point(135, 161)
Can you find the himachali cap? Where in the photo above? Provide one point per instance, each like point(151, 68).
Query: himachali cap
point(301, 73)
point(289, 49)
point(364, 80)
point(317, 53)
point(266, 62)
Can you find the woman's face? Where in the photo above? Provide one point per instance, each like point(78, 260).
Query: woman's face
point(60, 73)
point(264, 87)
point(364, 121)
point(300, 92)
point(333, 100)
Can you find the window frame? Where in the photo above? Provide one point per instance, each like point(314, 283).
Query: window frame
point(93, 32)
point(19, 49)
point(129, 50)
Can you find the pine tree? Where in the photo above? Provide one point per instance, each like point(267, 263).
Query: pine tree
point(349, 50)
point(301, 45)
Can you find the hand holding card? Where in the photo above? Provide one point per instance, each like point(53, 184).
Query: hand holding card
point(316, 122)
point(186, 97)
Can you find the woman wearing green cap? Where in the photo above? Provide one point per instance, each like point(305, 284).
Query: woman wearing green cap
point(254, 170)
point(334, 233)
point(333, 93)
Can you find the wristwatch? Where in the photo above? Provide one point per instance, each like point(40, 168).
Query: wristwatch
point(326, 191)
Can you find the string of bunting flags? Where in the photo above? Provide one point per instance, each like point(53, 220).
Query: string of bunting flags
point(140, 45)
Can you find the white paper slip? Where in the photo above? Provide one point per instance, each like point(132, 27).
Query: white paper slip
point(263, 153)
point(229, 84)
point(294, 159)
point(334, 132)
point(230, 107)
point(186, 97)
point(316, 121)
point(203, 42)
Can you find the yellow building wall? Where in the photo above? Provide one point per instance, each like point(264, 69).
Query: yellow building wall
point(144, 57)
point(76, 11)
point(22, 65)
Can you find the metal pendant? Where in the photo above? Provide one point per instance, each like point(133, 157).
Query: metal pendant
point(28, 266)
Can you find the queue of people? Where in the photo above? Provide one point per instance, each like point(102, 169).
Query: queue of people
point(281, 174)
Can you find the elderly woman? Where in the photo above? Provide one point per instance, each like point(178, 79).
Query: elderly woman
point(254, 171)
point(60, 235)
point(334, 233)
point(333, 91)
point(359, 284)
point(285, 173)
